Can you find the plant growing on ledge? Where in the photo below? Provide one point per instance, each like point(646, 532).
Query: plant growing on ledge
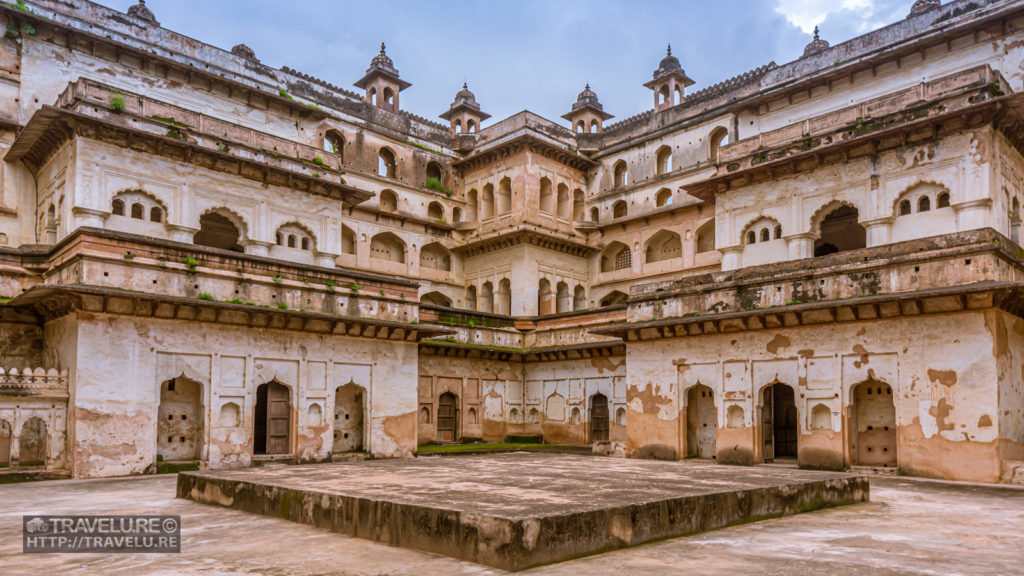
point(283, 92)
point(190, 264)
point(318, 160)
point(435, 184)
point(205, 296)
point(117, 102)
point(330, 285)
point(282, 306)
point(353, 287)
point(175, 133)
point(222, 147)
point(128, 256)
point(277, 278)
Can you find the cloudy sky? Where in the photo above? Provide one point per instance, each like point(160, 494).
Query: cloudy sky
point(523, 54)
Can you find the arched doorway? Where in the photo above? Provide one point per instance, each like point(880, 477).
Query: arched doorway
point(599, 418)
point(216, 231)
point(840, 231)
point(873, 425)
point(272, 423)
point(701, 422)
point(32, 445)
point(348, 418)
point(5, 443)
point(779, 422)
point(179, 426)
point(447, 417)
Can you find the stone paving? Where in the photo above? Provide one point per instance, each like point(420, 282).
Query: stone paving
point(911, 526)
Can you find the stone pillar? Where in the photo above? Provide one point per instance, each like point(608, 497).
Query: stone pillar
point(182, 233)
point(800, 245)
point(326, 260)
point(879, 231)
point(257, 247)
point(732, 257)
point(88, 217)
point(973, 214)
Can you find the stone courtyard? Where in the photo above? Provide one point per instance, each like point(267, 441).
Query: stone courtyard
point(910, 526)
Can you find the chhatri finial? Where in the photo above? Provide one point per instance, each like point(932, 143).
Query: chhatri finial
point(465, 86)
point(670, 49)
point(381, 47)
point(587, 86)
point(816, 37)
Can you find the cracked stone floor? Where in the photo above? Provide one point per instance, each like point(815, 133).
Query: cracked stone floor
point(911, 526)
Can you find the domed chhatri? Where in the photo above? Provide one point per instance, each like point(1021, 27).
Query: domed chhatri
point(816, 45)
point(244, 51)
point(922, 6)
point(381, 82)
point(668, 64)
point(464, 113)
point(141, 12)
point(587, 114)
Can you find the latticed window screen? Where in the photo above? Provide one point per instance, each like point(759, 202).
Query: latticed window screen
point(624, 259)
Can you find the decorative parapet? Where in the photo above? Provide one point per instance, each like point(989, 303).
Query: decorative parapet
point(33, 382)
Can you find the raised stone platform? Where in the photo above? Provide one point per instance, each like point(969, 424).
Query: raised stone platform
point(514, 511)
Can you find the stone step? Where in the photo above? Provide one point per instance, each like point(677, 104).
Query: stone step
point(273, 459)
point(875, 470)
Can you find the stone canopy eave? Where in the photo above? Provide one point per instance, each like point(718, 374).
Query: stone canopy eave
point(1006, 295)
point(50, 127)
point(519, 141)
point(51, 301)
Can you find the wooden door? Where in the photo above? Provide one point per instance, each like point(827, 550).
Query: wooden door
point(447, 417)
point(278, 419)
point(768, 423)
point(599, 418)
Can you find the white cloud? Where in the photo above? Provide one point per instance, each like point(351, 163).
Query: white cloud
point(806, 14)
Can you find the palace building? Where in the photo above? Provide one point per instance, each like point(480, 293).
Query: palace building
point(207, 259)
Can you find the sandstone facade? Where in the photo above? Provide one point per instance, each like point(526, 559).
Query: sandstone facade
point(208, 259)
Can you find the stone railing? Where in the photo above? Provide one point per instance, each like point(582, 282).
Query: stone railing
point(33, 379)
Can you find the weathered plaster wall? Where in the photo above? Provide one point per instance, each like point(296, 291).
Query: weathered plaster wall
point(942, 369)
point(122, 361)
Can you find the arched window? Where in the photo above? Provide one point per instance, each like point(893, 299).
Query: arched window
point(333, 142)
point(117, 207)
point(924, 204)
point(435, 173)
point(458, 126)
point(389, 99)
point(471, 298)
point(217, 231)
point(719, 137)
point(388, 201)
point(663, 198)
point(435, 211)
point(579, 298)
point(595, 126)
point(840, 231)
point(562, 204)
point(594, 213)
point(291, 240)
point(616, 257)
point(503, 304)
point(138, 211)
point(471, 126)
point(156, 214)
point(904, 207)
point(619, 209)
point(386, 164)
point(487, 207)
point(577, 205)
point(456, 214)
point(305, 243)
point(487, 297)
point(664, 160)
point(580, 127)
point(437, 299)
point(706, 237)
point(665, 245)
point(348, 240)
point(765, 235)
point(613, 298)
point(505, 196)
point(621, 175)
point(387, 246)
point(544, 297)
point(751, 237)
point(563, 300)
point(545, 196)
point(778, 232)
point(943, 201)
point(435, 257)
point(472, 208)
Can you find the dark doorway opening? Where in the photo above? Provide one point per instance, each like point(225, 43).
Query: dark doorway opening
point(779, 424)
point(447, 417)
point(272, 422)
point(840, 232)
point(599, 418)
